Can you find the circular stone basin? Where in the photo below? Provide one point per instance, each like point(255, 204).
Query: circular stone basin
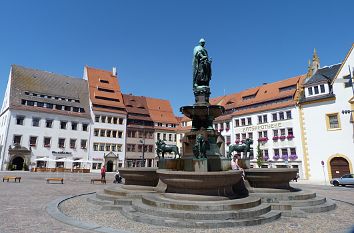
point(145, 176)
point(203, 111)
point(201, 183)
point(278, 178)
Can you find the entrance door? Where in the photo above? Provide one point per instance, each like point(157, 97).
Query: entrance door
point(17, 163)
point(339, 167)
point(110, 166)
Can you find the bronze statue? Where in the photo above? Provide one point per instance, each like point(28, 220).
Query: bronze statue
point(201, 66)
point(244, 147)
point(200, 147)
point(162, 147)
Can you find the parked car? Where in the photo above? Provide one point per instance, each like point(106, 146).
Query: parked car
point(344, 180)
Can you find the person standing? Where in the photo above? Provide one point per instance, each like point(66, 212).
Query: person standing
point(103, 173)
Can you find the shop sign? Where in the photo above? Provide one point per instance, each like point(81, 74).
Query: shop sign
point(61, 153)
point(261, 127)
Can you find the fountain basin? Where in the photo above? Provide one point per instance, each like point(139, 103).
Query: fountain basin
point(145, 176)
point(201, 183)
point(277, 178)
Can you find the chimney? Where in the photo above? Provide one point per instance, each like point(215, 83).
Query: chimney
point(114, 71)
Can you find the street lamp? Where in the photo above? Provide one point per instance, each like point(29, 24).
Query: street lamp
point(142, 141)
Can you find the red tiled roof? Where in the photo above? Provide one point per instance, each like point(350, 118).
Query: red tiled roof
point(161, 111)
point(104, 89)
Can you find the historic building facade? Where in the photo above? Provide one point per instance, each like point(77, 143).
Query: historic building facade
point(45, 117)
point(165, 122)
point(109, 117)
point(140, 141)
point(268, 114)
point(328, 138)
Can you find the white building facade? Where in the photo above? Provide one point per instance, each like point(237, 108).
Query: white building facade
point(44, 118)
point(328, 134)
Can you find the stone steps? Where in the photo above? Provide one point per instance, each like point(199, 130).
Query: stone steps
point(106, 197)
point(308, 202)
point(135, 215)
point(128, 190)
point(159, 201)
point(92, 199)
point(261, 209)
point(286, 196)
point(324, 207)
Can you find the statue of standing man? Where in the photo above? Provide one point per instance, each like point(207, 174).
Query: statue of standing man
point(201, 66)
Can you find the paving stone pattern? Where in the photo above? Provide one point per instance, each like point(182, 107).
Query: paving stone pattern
point(23, 208)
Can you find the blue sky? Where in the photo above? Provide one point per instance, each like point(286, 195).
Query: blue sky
point(151, 42)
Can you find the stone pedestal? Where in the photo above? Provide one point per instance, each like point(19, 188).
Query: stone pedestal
point(145, 176)
point(172, 164)
point(195, 165)
point(216, 163)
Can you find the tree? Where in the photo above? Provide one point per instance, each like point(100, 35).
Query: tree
point(259, 156)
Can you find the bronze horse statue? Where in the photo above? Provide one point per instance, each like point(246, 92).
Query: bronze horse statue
point(162, 148)
point(244, 147)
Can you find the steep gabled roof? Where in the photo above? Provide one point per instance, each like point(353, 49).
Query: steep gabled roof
point(49, 88)
point(261, 98)
point(323, 75)
point(104, 90)
point(161, 111)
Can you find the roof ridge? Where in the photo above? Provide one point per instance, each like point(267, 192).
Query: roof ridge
point(49, 72)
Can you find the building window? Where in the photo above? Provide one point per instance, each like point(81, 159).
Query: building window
point(121, 121)
point(95, 146)
point(101, 147)
point(33, 141)
point(238, 137)
point(260, 119)
point(73, 125)
point(243, 121)
point(322, 87)
point(275, 133)
point(35, 122)
point(49, 123)
point(237, 122)
point(292, 151)
point(228, 140)
point(61, 142)
point(249, 121)
point(84, 127)
point(63, 124)
point(164, 137)
point(288, 114)
point(284, 152)
point(151, 148)
point(72, 143)
point(310, 90)
point(58, 107)
point(97, 118)
point(275, 116)
point(109, 120)
point(316, 89)
point(281, 116)
point(114, 133)
point(108, 133)
point(48, 105)
point(46, 141)
point(282, 132)
point(95, 132)
point(83, 144)
point(120, 134)
point(290, 131)
point(17, 139)
point(40, 104)
point(250, 135)
point(102, 132)
point(276, 152)
point(170, 137)
point(103, 119)
point(265, 119)
point(20, 120)
point(108, 147)
point(67, 108)
point(333, 121)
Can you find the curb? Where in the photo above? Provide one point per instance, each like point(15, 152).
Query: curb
point(54, 212)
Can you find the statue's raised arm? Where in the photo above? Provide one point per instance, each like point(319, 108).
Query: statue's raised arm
point(201, 66)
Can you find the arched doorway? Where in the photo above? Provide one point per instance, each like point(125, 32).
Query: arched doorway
point(110, 166)
point(17, 163)
point(339, 167)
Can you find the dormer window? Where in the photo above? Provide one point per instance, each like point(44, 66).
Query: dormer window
point(316, 89)
point(310, 90)
point(322, 87)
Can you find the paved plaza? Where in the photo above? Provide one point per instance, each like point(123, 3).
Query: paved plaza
point(23, 208)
